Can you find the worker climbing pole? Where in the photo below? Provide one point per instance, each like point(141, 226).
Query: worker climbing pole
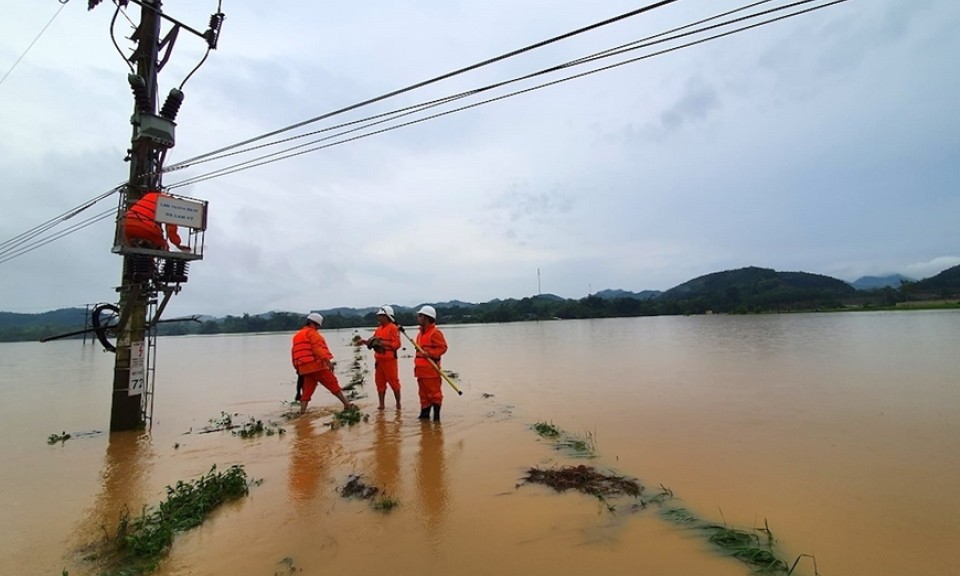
point(150, 266)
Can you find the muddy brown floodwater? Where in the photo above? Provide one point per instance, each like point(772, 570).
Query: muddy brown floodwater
point(838, 431)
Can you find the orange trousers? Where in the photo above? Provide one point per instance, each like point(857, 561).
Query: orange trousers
point(430, 391)
point(386, 372)
point(325, 377)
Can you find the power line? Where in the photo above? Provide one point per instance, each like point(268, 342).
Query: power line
point(476, 66)
point(288, 153)
point(22, 244)
point(63, 3)
point(25, 242)
point(18, 245)
point(7, 255)
point(406, 111)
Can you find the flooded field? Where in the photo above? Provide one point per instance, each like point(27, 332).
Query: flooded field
point(839, 432)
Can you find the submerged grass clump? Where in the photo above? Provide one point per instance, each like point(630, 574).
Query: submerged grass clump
point(546, 430)
point(348, 417)
point(140, 543)
point(257, 428)
point(745, 545)
point(356, 488)
point(385, 503)
point(584, 446)
point(61, 438)
point(755, 548)
point(220, 423)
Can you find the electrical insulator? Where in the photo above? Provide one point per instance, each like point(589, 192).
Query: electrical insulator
point(140, 94)
point(172, 105)
point(212, 35)
point(140, 268)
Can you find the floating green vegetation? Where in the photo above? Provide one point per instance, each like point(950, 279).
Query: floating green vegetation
point(385, 503)
point(754, 547)
point(356, 379)
point(289, 568)
point(584, 446)
point(357, 488)
point(547, 430)
point(140, 543)
point(61, 438)
point(220, 423)
point(255, 427)
point(348, 417)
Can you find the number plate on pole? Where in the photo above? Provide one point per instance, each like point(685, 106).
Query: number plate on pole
point(137, 368)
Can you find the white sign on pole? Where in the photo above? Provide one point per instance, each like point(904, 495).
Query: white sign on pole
point(180, 212)
point(138, 370)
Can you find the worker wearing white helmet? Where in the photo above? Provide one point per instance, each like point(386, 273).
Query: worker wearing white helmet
point(431, 345)
point(313, 361)
point(385, 342)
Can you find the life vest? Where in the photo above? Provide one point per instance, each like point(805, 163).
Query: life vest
point(309, 351)
point(389, 336)
point(431, 341)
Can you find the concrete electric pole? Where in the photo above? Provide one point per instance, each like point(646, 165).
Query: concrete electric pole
point(148, 271)
point(126, 412)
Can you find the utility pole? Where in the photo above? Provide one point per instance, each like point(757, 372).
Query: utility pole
point(143, 278)
point(126, 412)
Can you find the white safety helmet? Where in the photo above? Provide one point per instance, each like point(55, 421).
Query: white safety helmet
point(386, 310)
point(428, 311)
point(315, 318)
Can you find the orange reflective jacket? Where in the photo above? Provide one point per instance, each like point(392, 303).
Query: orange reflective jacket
point(140, 223)
point(389, 336)
point(309, 351)
point(431, 341)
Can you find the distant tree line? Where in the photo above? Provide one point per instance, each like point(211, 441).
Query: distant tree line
point(744, 291)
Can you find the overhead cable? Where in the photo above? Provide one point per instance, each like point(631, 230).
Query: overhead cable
point(439, 78)
point(42, 30)
point(289, 152)
point(406, 111)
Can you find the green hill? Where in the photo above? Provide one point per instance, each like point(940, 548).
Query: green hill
point(756, 289)
point(945, 284)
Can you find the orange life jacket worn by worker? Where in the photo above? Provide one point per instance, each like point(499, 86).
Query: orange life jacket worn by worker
point(141, 230)
point(309, 352)
point(312, 359)
point(389, 337)
point(432, 341)
point(426, 364)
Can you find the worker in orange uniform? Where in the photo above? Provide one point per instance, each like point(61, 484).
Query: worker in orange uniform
point(431, 341)
point(313, 360)
point(385, 342)
point(141, 230)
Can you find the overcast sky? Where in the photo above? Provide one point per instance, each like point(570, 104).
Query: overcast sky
point(827, 143)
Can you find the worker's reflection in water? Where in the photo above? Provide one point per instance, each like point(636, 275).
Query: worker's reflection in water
point(309, 454)
point(431, 471)
point(386, 452)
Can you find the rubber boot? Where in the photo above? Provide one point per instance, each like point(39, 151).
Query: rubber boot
point(424, 414)
point(436, 412)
